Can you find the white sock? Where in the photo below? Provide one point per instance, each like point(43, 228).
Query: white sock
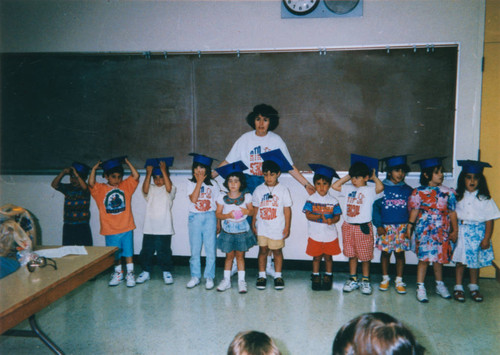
point(458, 288)
point(473, 287)
point(262, 274)
point(420, 285)
point(241, 275)
point(385, 277)
point(118, 268)
point(315, 273)
point(227, 274)
point(399, 279)
point(277, 274)
point(439, 283)
point(130, 267)
point(328, 273)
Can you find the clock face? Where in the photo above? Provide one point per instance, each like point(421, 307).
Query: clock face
point(300, 7)
point(341, 7)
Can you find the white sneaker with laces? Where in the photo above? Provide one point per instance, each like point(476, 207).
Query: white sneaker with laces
point(442, 291)
point(209, 284)
point(116, 278)
point(143, 277)
point(242, 286)
point(168, 278)
point(195, 281)
point(366, 288)
point(350, 285)
point(422, 295)
point(224, 285)
point(130, 279)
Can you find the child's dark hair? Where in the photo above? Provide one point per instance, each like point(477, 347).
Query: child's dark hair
point(208, 170)
point(482, 186)
point(318, 177)
point(240, 176)
point(404, 167)
point(375, 333)
point(161, 175)
point(265, 111)
point(252, 343)
point(359, 169)
point(270, 166)
point(426, 174)
point(116, 169)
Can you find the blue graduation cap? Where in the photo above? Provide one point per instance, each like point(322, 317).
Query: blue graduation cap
point(473, 166)
point(236, 167)
point(324, 170)
point(155, 163)
point(81, 169)
point(372, 163)
point(277, 156)
point(429, 162)
point(113, 163)
point(202, 159)
point(395, 161)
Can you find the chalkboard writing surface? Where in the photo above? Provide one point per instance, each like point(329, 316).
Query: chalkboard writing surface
point(57, 107)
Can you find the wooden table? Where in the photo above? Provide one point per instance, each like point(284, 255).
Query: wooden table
point(22, 294)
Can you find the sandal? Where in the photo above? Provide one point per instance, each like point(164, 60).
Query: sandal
point(476, 296)
point(459, 295)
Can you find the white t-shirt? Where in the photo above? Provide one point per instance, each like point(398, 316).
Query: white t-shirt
point(359, 203)
point(249, 147)
point(473, 209)
point(206, 200)
point(158, 219)
point(232, 207)
point(271, 215)
point(329, 205)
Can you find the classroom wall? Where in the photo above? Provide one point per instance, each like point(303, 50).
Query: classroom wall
point(157, 26)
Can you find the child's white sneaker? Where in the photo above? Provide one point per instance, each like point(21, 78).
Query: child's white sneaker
point(195, 281)
point(242, 286)
point(366, 288)
point(350, 285)
point(143, 277)
point(224, 285)
point(116, 278)
point(209, 284)
point(422, 295)
point(167, 277)
point(130, 279)
point(442, 291)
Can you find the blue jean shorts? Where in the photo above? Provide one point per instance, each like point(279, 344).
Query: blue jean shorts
point(124, 242)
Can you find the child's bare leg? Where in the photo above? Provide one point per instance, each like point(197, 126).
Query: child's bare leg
point(316, 264)
point(400, 263)
point(421, 271)
point(262, 258)
point(385, 258)
point(240, 260)
point(438, 271)
point(328, 263)
point(365, 267)
point(278, 260)
point(353, 266)
point(459, 273)
point(474, 276)
point(228, 263)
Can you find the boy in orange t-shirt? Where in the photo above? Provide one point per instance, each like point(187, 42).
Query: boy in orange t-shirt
point(113, 200)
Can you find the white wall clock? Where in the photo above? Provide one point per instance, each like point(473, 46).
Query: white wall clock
point(300, 7)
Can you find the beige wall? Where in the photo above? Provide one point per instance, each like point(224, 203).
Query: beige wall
point(490, 114)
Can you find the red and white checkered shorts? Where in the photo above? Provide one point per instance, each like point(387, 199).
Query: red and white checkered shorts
point(355, 243)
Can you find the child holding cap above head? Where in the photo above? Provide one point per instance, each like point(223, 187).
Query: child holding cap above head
point(158, 227)
point(76, 228)
point(114, 201)
point(273, 215)
point(322, 212)
point(432, 212)
point(202, 192)
point(390, 217)
point(476, 212)
point(357, 231)
point(236, 236)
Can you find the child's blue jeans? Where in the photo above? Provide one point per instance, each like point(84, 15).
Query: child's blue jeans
point(202, 232)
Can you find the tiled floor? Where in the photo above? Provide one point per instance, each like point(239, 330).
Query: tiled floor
point(157, 319)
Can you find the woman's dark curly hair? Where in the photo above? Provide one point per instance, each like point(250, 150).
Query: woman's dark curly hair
point(265, 111)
